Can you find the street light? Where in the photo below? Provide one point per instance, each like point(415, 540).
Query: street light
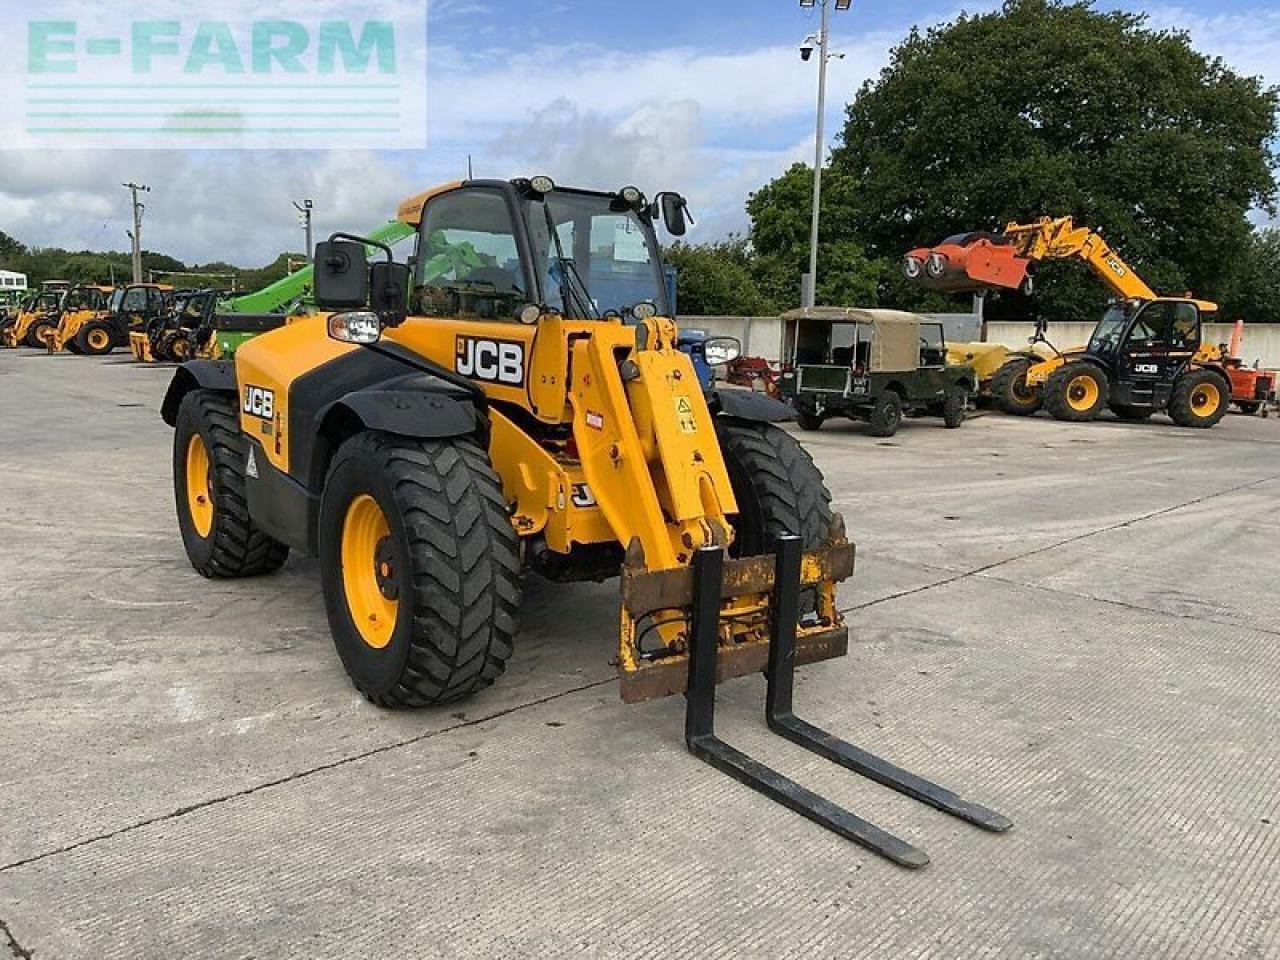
point(819, 40)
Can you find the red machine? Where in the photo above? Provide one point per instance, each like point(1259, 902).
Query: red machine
point(969, 263)
point(1251, 389)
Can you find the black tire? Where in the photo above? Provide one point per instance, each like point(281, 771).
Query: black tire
point(778, 487)
point(809, 420)
point(1249, 407)
point(1186, 406)
point(454, 563)
point(36, 332)
point(955, 406)
point(73, 346)
point(1076, 392)
point(1125, 412)
point(886, 415)
point(95, 339)
point(233, 546)
point(1010, 391)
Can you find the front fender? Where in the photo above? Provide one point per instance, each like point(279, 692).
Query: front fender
point(749, 405)
point(418, 413)
point(196, 375)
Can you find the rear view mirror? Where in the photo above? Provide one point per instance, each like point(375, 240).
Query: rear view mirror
point(389, 291)
point(674, 209)
point(341, 275)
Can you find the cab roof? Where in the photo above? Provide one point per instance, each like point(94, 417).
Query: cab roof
point(854, 315)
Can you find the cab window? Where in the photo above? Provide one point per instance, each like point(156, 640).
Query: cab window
point(1185, 330)
point(468, 260)
point(135, 299)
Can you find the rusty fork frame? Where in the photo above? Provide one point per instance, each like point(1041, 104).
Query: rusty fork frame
point(701, 739)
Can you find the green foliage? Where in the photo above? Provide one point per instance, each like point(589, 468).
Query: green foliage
point(717, 279)
point(1254, 290)
point(9, 249)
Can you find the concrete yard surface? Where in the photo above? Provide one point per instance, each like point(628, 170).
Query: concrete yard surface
point(1075, 624)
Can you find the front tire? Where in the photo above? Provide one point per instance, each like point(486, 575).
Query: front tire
point(421, 568)
point(886, 415)
point(778, 487)
point(1200, 399)
point(209, 454)
point(1249, 407)
point(1010, 390)
point(37, 332)
point(1076, 392)
point(809, 421)
point(95, 339)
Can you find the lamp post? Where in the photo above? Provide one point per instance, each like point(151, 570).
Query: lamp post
point(304, 221)
point(809, 286)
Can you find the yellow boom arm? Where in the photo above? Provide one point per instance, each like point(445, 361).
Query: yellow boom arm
point(1061, 239)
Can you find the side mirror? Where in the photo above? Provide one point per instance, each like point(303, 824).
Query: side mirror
point(341, 276)
point(389, 291)
point(720, 350)
point(673, 209)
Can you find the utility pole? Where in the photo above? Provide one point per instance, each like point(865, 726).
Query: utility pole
point(136, 236)
point(304, 221)
point(809, 286)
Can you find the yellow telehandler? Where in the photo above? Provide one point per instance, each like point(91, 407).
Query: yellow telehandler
point(1145, 356)
point(514, 400)
point(37, 317)
point(82, 305)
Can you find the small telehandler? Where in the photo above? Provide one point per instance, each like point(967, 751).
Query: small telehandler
point(512, 400)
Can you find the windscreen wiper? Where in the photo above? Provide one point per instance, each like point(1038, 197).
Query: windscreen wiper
point(573, 290)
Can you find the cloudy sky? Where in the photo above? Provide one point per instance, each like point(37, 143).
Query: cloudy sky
point(709, 97)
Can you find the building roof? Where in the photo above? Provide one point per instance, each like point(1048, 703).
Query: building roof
point(853, 315)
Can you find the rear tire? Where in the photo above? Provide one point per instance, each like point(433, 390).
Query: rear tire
point(955, 406)
point(1076, 392)
point(1010, 390)
point(809, 421)
point(220, 537)
point(95, 339)
point(441, 567)
point(1200, 399)
point(886, 415)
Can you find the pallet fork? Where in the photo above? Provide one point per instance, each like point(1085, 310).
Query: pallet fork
point(701, 739)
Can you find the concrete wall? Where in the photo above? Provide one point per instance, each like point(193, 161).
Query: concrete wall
point(1261, 340)
point(762, 336)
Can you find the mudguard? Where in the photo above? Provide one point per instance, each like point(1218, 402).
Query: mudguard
point(749, 405)
point(423, 407)
point(196, 375)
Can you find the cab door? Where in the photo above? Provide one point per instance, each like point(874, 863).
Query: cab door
point(1161, 340)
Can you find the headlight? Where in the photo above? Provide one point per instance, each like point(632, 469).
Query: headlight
point(720, 350)
point(911, 268)
point(936, 265)
point(644, 310)
point(360, 326)
point(631, 196)
point(529, 314)
point(542, 184)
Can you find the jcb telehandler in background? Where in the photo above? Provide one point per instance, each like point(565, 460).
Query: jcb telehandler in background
point(82, 305)
point(193, 328)
point(1145, 356)
point(37, 316)
point(515, 400)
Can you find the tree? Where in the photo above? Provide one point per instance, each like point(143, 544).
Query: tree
point(717, 279)
point(1254, 290)
point(10, 248)
point(1052, 107)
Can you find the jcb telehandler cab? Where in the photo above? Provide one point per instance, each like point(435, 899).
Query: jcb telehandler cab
point(130, 308)
point(38, 316)
point(514, 400)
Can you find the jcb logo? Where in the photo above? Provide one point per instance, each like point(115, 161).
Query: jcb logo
point(1146, 368)
point(494, 361)
point(1117, 267)
point(259, 402)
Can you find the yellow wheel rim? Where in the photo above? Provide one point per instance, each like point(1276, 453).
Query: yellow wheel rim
point(199, 492)
point(1082, 392)
point(98, 339)
point(368, 571)
point(1205, 399)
